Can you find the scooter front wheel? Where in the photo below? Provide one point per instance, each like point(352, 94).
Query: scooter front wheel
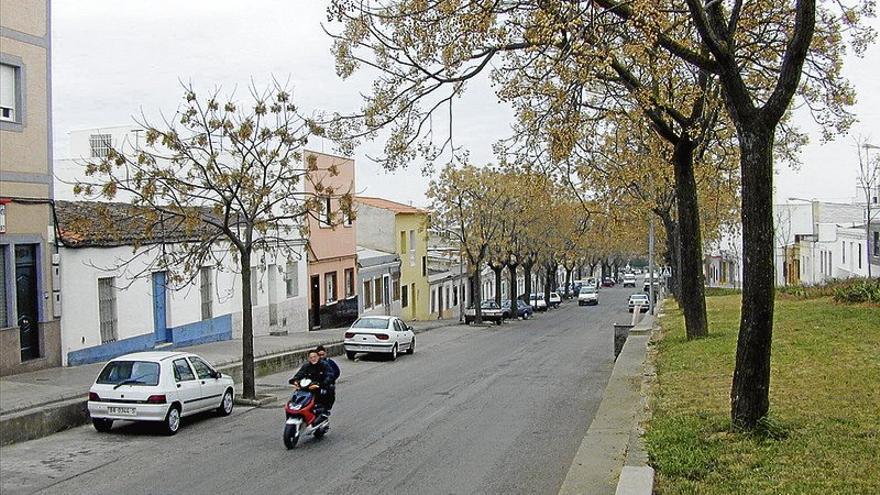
point(291, 435)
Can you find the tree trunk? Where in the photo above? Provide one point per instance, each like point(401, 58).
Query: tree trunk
point(693, 300)
point(478, 294)
point(548, 281)
point(247, 330)
point(511, 270)
point(498, 269)
point(751, 378)
point(527, 279)
point(567, 282)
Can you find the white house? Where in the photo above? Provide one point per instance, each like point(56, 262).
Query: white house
point(114, 303)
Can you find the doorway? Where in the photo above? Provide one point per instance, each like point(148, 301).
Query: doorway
point(26, 300)
point(160, 309)
point(315, 312)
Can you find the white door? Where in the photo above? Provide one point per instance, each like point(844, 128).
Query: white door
point(404, 335)
point(189, 390)
point(212, 388)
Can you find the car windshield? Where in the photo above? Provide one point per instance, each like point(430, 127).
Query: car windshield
point(588, 290)
point(371, 323)
point(129, 373)
point(638, 298)
point(489, 305)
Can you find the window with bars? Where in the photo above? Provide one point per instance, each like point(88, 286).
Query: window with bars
point(377, 285)
point(99, 144)
point(107, 309)
point(395, 284)
point(291, 279)
point(206, 288)
point(349, 282)
point(368, 294)
point(330, 287)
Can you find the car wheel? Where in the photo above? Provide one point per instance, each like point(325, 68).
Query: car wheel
point(172, 420)
point(350, 355)
point(291, 435)
point(394, 353)
point(226, 405)
point(412, 346)
point(102, 425)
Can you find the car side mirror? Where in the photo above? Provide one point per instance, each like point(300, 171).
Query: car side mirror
point(218, 375)
point(409, 327)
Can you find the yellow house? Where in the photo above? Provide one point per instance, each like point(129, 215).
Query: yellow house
point(393, 227)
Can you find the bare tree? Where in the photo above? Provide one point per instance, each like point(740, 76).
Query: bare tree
point(869, 183)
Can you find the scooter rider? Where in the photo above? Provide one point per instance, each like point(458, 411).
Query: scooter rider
point(321, 376)
point(334, 368)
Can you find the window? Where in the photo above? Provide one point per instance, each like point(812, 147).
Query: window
point(130, 372)
point(201, 367)
point(404, 300)
point(379, 300)
point(447, 297)
point(455, 296)
point(860, 255)
point(402, 241)
point(412, 240)
point(424, 266)
point(349, 282)
point(330, 287)
point(396, 289)
point(876, 243)
point(255, 285)
point(842, 252)
point(291, 279)
point(99, 144)
point(107, 309)
point(325, 212)
point(182, 371)
point(206, 287)
point(433, 300)
point(10, 93)
point(368, 294)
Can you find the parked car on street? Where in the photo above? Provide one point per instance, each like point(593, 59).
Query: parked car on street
point(379, 334)
point(608, 282)
point(489, 310)
point(638, 300)
point(536, 301)
point(647, 285)
point(160, 387)
point(588, 296)
point(523, 310)
point(629, 280)
point(555, 299)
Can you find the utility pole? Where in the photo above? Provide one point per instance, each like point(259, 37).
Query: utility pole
point(651, 266)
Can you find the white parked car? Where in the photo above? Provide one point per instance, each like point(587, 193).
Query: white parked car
point(588, 295)
point(536, 301)
point(158, 386)
point(379, 334)
point(555, 300)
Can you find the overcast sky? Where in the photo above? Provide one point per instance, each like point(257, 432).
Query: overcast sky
point(113, 59)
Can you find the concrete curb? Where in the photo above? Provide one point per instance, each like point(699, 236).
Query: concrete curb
point(45, 419)
point(597, 467)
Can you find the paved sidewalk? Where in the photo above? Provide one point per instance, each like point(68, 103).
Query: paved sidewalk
point(41, 388)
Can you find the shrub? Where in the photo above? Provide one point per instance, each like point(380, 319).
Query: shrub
point(860, 291)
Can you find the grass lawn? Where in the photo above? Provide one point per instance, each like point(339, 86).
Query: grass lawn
point(823, 433)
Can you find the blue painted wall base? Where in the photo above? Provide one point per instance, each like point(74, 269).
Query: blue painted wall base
point(200, 332)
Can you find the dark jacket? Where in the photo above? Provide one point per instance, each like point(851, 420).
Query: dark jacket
point(320, 373)
point(334, 368)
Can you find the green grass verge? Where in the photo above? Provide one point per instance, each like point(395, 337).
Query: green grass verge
point(823, 432)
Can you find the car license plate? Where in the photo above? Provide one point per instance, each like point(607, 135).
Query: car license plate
point(122, 411)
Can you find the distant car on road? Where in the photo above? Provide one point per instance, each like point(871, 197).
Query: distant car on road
point(647, 285)
point(588, 296)
point(523, 310)
point(489, 310)
point(608, 282)
point(629, 280)
point(160, 387)
point(638, 300)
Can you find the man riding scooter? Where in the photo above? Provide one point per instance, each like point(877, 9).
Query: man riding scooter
point(334, 368)
point(321, 376)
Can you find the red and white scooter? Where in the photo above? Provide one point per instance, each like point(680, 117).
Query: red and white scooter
point(302, 417)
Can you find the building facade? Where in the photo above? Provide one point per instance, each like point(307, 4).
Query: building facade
point(401, 229)
point(379, 282)
point(29, 294)
point(332, 243)
point(123, 304)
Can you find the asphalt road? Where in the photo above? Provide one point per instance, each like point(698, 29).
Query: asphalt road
point(474, 410)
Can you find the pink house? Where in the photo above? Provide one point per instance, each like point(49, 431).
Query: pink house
point(332, 243)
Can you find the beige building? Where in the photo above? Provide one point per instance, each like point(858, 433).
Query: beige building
point(29, 295)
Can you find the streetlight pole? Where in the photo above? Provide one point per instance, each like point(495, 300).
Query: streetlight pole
point(869, 181)
point(651, 266)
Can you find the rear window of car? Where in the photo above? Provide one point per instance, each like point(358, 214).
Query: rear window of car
point(130, 372)
point(588, 290)
point(371, 323)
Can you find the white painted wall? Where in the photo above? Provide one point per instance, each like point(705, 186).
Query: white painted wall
point(80, 322)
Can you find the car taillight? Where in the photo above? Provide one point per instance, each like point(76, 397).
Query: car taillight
point(381, 336)
point(93, 396)
point(349, 335)
point(156, 399)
